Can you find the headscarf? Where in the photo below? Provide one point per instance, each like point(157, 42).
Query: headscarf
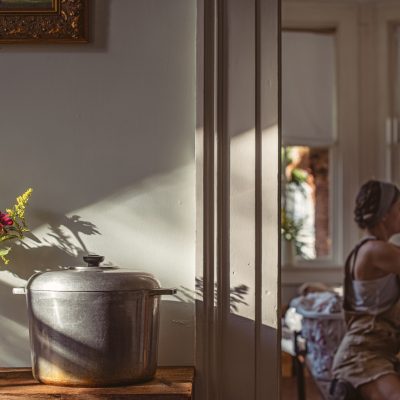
point(387, 195)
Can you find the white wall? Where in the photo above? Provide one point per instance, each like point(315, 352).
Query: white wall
point(105, 131)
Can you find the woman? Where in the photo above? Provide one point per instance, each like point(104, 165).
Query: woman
point(366, 357)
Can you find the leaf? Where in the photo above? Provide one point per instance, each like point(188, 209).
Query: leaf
point(5, 251)
point(8, 237)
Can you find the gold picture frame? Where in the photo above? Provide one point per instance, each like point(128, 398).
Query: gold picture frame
point(43, 21)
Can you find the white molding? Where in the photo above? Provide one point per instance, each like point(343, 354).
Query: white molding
point(268, 346)
point(297, 275)
point(205, 199)
point(237, 164)
point(296, 141)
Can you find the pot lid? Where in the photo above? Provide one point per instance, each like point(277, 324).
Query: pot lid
point(92, 278)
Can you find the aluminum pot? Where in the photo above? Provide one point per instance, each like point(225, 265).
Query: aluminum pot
point(93, 326)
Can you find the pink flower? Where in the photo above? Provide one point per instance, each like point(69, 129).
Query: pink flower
point(5, 220)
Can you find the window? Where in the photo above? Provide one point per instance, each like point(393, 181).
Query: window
point(306, 200)
point(309, 140)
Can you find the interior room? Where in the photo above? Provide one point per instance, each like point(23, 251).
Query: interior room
point(193, 163)
point(146, 142)
point(340, 107)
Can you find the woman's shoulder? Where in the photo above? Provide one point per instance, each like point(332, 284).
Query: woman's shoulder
point(377, 258)
point(378, 246)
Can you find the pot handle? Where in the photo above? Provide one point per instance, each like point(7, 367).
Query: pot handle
point(160, 292)
point(19, 290)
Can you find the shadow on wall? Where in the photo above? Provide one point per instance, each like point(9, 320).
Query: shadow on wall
point(237, 294)
point(60, 248)
point(63, 245)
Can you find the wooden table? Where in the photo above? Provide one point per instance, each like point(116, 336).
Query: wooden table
point(170, 383)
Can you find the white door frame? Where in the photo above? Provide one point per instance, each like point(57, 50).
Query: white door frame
point(237, 163)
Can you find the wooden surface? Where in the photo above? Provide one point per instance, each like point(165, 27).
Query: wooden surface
point(289, 382)
point(170, 383)
point(289, 389)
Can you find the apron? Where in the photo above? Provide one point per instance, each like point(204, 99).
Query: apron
point(369, 347)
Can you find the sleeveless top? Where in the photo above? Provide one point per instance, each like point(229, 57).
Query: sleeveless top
point(373, 296)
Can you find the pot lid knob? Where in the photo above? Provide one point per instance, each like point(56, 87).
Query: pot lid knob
point(93, 260)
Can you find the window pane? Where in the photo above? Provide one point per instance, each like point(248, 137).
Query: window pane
point(305, 202)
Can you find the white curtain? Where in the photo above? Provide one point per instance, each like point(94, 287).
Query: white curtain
point(308, 88)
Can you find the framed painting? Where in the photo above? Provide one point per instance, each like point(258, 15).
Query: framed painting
point(40, 21)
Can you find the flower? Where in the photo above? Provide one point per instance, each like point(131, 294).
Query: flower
point(12, 223)
point(5, 219)
point(289, 227)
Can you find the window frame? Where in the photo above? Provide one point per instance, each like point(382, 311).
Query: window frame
point(342, 18)
point(329, 260)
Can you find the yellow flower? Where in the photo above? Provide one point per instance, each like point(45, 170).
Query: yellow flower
point(18, 227)
point(18, 211)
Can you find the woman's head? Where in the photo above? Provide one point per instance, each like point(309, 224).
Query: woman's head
point(373, 202)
